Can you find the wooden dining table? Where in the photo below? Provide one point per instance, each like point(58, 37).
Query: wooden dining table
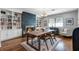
point(37, 34)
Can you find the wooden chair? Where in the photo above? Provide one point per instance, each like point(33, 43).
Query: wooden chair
point(29, 29)
point(46, 37)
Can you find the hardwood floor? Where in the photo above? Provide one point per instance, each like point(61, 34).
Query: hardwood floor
point(15, 44)
point(65, 44)
point(12, 45)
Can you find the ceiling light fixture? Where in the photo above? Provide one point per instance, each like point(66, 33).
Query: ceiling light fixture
point(44, 14)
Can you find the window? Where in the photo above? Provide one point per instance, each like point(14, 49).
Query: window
point(56, 22)
point(59, 22)
point(51, 23)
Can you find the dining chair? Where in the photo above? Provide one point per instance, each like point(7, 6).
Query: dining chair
point(30, 29)
point(46, 37)
point(53, 36)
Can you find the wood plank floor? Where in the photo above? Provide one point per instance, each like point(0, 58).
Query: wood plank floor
point(12, 45)
point(15, 44)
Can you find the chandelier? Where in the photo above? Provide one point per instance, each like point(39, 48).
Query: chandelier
point(44, 14)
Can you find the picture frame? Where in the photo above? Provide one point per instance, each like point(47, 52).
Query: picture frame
point(69, 21)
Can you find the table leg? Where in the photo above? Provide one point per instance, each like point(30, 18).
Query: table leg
point(39, 43)
point(46, 44)
point(27, 42)
point(27, 39)
point(55, 37)
point(32, 41)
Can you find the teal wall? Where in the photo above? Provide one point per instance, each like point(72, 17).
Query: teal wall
point(28, 19)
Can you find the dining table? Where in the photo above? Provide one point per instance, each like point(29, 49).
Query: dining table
point(37, 34)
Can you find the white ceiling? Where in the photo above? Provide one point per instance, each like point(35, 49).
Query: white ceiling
point(41, 11)
point(48, 11)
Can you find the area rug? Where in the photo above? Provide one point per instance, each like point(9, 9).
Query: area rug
point(43, 46)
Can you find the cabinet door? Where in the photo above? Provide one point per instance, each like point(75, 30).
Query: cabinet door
point(3, 35)
point(9, 34)
point(15, 33)
point(19, 32)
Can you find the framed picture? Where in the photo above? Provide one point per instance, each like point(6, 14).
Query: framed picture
point(69, 21)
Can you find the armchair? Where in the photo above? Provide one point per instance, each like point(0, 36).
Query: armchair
point(66, 32)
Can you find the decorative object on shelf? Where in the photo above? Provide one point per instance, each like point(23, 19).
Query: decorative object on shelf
point(3, 12)
point(69, 21)
point(10, 20)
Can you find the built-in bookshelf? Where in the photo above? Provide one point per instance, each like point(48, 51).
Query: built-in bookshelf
point(3, 20)
point(38, 22)
point(9, 20)
point(16, 20)
point(10, 24)
point(43, 22)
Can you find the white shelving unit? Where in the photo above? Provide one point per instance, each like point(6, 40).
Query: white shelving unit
point(10, 25)
point(43, 22)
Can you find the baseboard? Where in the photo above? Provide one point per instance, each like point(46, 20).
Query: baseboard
point(65, 35)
